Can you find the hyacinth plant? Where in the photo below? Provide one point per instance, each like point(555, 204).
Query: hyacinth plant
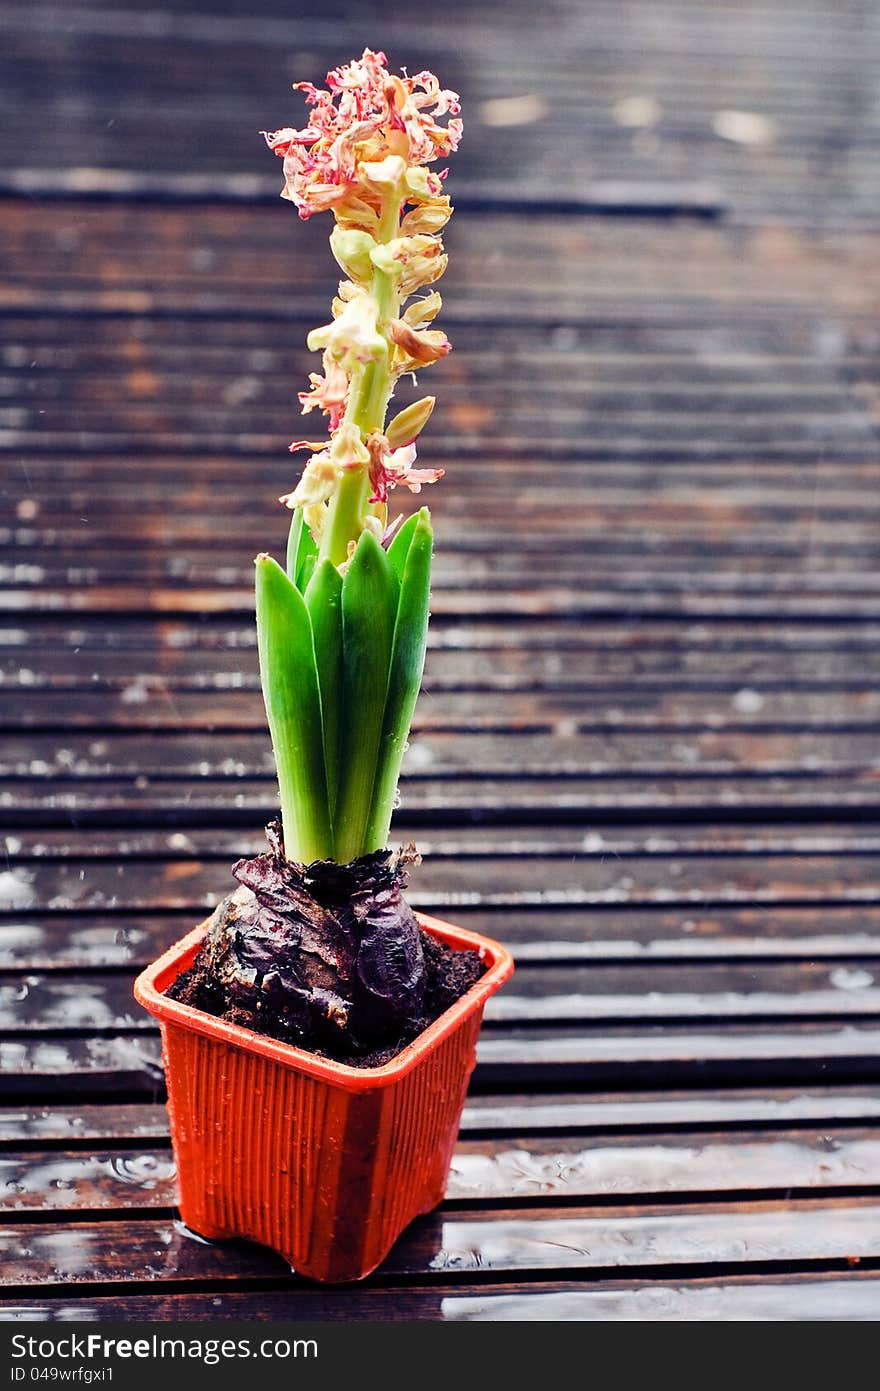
point(342, 629)
point(318, 944)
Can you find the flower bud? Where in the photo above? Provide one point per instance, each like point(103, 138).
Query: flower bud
point(421, 186)
point(410, 423)
point(352, 251)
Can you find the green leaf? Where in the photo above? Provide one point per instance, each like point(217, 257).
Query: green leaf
point(293, 707)
point(323, 598)
point(306, 570)
point(301, 551)
point(405, 675)
point(369, 609)
point(399, 548)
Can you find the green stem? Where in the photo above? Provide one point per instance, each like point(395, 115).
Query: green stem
point(344, 517)
point(366, 408)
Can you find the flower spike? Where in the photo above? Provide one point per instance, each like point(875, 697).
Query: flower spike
point(363, 156)
point(343, 628)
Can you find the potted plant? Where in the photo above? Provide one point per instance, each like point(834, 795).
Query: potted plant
point(318, 1037)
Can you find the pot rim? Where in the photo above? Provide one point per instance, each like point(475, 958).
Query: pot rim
point(152, 983)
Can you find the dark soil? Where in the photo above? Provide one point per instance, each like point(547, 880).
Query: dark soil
point(448, 975)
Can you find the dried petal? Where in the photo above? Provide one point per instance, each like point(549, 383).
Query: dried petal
point(420, 346)
point(365, 117)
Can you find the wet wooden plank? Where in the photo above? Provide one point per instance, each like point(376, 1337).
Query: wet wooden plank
point(462, 571)
point(135, 703)
point(633, 1056)
point(690, 65)
point(575, 435)
point(696, 505)
point(219, 654)
point(78, 1182)
point(846, 596)
point(476, 410)
point(701, 350)
point(642, 438)
point(118, 1066)
point(673, 542)
point(146, 346)
point(844, 1296)
point(147, 402)
point(720, 753)
point(86, 802)
point(608, 993)
point(239, 253)
point(667, 551)
point(597, 329)
point(790, 838)
point(459, 776)
point(528, 1171)
point(671, 557)
point(38, 355)
point(727, 1110)
point(684, 992)
point(821, 600)
point(689, 1238)
point(227, 355)
point(670, 543)
point(88, 382)
point(553, 936)
point(559, 876)
point(656, 653)
point(128, 1123)
point(581, 873)
point(507, 417)
point(498, 1243)
point(75, 1182)
point(138, 1124)
point(670, 1055)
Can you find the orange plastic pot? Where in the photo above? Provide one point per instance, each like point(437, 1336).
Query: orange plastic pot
point(323, 1162)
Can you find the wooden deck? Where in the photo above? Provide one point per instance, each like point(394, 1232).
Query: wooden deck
point(647, 752)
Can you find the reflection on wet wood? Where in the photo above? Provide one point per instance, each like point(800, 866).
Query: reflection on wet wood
point(492, 1171)
point(844, 1296)
point(692, 1238)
